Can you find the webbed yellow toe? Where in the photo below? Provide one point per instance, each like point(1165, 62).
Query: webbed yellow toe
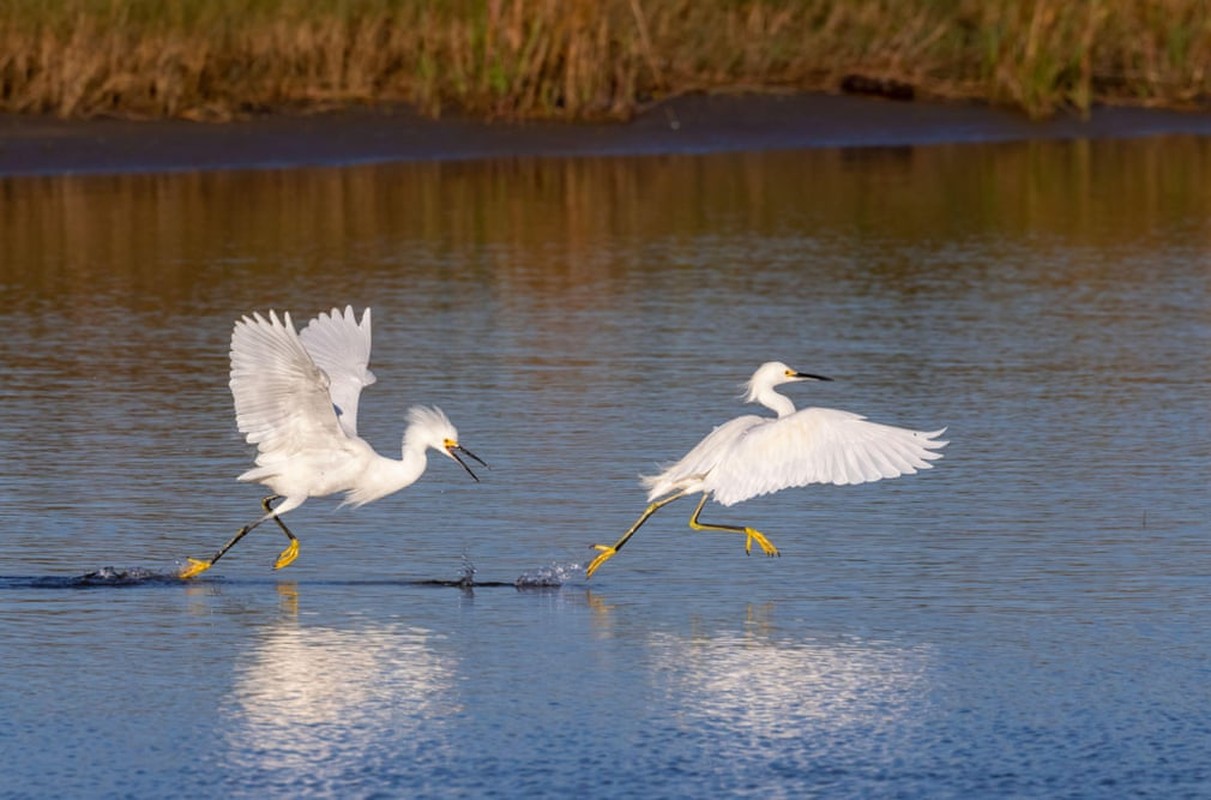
point(606, 553)
point(196, 567)
point(288, 555)
point(766, 545)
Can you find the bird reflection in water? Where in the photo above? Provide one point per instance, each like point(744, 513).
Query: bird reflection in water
point(755, 684)
point(312, 703)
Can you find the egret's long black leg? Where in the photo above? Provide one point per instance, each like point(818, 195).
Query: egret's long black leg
point(753, 535)
point(609, 551)
point(198, 566)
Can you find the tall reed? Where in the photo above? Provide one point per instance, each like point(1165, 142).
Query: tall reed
point(584, 59)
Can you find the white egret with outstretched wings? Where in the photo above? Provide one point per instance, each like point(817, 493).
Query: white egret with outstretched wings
point(751, 456)
point(296, 397)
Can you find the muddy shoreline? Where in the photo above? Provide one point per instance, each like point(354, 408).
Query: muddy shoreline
point(688, 124)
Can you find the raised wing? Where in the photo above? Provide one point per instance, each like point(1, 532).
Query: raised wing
point(282, 403)
point(340, 346)
point(817, 445)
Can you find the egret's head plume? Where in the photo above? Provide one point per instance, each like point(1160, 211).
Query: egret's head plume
point(430, 427)
point(774, 373)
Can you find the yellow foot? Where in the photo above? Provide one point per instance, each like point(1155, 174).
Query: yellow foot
point(196, 567)
point(288, 555)
point(766, 545)
point(605, 555)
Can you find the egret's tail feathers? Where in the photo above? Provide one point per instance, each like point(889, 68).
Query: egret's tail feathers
point(650, 482)
point(665, 484)
point(656, 486)
point(257, 474)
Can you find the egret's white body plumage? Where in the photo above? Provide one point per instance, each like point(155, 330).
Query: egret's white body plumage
point(753, 455)
point(296, 398)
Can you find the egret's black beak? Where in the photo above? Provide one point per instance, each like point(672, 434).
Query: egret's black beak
point(454, 450)
point(806, 376)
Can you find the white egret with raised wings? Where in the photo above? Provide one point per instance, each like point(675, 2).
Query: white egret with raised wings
point(752, 455)
point(296, 399)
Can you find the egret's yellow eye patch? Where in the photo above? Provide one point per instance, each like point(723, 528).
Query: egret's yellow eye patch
point(448, 443)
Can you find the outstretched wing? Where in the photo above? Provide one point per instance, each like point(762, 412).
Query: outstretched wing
point(282, 403)
point(340, 346)
point(817, 445)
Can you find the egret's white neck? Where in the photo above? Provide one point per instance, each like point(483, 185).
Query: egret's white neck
point(415, 459)
point(780, 404)
point(384, 475)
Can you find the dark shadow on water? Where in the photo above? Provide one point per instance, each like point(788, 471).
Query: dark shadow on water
point(104, 577)
point(541, 579)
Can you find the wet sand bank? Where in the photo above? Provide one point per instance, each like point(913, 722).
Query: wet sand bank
point(689, 124)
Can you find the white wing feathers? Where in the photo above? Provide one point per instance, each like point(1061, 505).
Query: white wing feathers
point(282, 403)
point(688, 473)
point(751, 455)
point(817, 445)
point(340, 346)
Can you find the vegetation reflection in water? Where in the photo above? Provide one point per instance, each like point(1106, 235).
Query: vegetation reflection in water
point(144, 236)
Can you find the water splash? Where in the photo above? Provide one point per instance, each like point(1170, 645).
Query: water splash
point(465, 580)
point(466, 575)
point(119, 576)
point(551, 576)
point(102, 577)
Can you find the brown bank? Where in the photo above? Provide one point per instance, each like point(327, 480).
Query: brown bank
point(31, 145)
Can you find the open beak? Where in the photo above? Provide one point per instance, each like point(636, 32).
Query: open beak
point(807, 376)
point(454, 449)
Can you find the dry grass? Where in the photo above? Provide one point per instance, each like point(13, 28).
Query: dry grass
point(584, 59)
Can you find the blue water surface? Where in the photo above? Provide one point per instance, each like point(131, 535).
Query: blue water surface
point(1031, 618)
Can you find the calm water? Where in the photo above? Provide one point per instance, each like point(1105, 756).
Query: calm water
point(1030, 618)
